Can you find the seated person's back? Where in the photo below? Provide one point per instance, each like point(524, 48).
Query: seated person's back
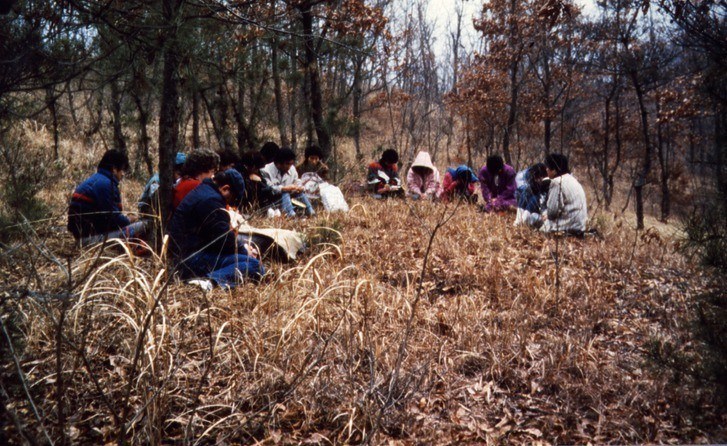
point(95, 209)
point(566, 205)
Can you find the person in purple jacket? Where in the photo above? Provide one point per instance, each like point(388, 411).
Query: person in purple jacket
point(497, 182)
point(95, 211)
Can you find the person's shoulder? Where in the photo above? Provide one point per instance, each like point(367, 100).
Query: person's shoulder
point(202, 195)
point(375, 165)
point(268, 168)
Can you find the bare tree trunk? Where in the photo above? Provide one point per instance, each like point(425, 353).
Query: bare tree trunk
point(606, 146)
point(144, 134)
point(51, 100)
point(195, 117)
point(512, 113)
point(663, 155)
point(71, 105)
point(311, 67)
point(244, 137)
point(357, 98)
point(292, 102)
point(279, 106)
point(641, 180)
point(119, 140)
point(169, 111)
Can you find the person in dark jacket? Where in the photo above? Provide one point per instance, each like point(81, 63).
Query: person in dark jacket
point(313, 163)
point(95, 210)
point(228, 159)
point(258, 195)
point(383, 176)
point(203, 241)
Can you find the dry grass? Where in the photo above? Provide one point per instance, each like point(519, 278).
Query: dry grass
point(496, 353)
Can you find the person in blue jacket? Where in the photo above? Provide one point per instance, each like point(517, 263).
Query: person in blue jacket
point(148, 202)
point(202, 238)
point(95, 210)
point(532, 189)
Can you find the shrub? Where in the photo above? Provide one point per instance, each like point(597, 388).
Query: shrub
point(706, 235)
point(26, 168)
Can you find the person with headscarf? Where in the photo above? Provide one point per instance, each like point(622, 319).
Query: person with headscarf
point(458, 182)
point(422, 180)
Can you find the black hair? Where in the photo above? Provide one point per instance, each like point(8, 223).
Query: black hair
point(228, 157)
point(494, 164)
point(222, 178)
point(284, 155)
point(389, 157)
point(557, 162)
point(200, 161)
point(534, 177)
point(269, 150)
point(252, 159)
point(536, 172)
point(114, 159)
point(313, 150)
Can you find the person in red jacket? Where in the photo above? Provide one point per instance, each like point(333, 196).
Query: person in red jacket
point(458, 183)
point(200, 164)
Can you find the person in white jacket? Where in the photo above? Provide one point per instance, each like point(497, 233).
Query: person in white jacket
point(566, 209)
point(283, 180)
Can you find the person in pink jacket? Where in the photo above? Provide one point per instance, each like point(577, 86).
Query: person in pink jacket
point(422, 180)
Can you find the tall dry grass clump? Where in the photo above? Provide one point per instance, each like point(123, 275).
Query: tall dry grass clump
point(505, 336)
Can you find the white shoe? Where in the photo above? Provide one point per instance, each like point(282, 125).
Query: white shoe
point(205, 284)
point(278, 213)
point(271, 213)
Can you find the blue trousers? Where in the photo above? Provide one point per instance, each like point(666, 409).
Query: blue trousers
point(224, 269)
point(289, 209)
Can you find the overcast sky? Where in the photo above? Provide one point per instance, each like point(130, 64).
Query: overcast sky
point(441, 12)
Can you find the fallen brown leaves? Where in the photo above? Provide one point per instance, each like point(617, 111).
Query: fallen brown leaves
point(495, 356)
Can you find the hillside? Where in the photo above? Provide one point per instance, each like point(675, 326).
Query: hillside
point(512, 337)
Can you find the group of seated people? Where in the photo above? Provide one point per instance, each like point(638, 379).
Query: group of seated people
point(544, 196)
point(211, 187)
point(208, 185)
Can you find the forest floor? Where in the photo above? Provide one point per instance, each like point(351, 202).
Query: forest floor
point(503, 336)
